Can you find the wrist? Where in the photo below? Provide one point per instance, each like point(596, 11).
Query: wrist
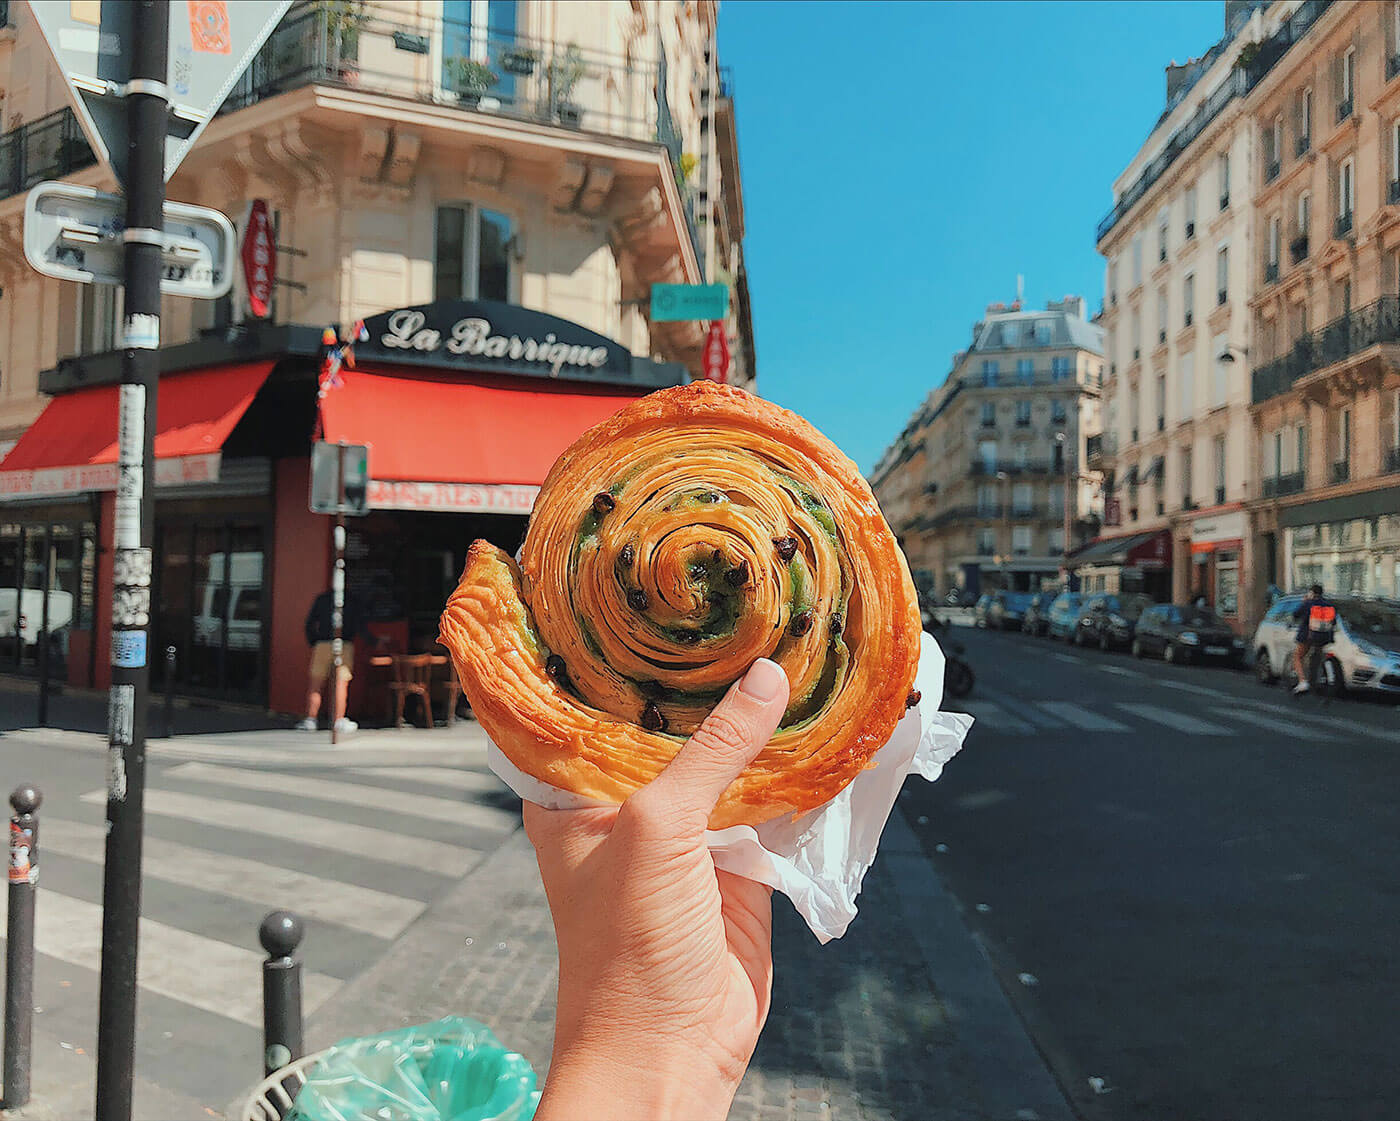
point(621, 1076)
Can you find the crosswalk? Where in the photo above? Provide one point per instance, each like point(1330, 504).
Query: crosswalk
point(1225, 717)
point(358, 852)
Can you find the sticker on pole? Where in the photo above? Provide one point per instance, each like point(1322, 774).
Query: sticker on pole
point(128, 649)
point(23, 868)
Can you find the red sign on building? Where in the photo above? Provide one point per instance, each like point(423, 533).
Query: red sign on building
point(717, 353)
point(259, 254)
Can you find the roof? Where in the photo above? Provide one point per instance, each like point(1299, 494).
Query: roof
point(1008, 331)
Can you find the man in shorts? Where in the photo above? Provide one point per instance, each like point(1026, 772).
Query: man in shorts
point(320, 635)
point(1317, 622)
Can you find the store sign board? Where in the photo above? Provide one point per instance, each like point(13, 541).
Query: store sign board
point(493, 337)
point(673, 302)
point(1217, 528)
point(717, 353)
point(51, 482)
point(452, 497)
point(258, 253)
point(211, 43)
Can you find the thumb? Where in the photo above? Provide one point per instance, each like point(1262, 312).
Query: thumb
point(736, 730)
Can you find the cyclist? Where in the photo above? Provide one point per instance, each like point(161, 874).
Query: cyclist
point(1317, 622)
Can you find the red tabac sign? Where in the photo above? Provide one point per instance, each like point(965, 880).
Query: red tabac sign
point(717, 353)
point(259, 255)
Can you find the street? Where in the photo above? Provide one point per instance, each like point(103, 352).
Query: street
point(1185, 881)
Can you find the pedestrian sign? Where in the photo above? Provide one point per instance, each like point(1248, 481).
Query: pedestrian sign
point(339, 479)
point(673, 302)
point(209, 48)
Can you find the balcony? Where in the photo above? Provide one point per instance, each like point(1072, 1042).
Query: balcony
point(1345, 109)
point(1392, 192)
point(1240, 82)
point(1349, 334)
point(1271, 171)
point(1341, 471)
point(48, 148)
point(1271, 272)
point(1343, 225)
point(1300, 149)
point(981, 468)
point(1281, 485)
point(1392, 461)
point(1298, 248)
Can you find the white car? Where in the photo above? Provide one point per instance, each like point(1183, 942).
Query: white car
point(1365, 649)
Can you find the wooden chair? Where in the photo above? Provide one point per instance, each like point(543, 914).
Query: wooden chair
point(412, 675)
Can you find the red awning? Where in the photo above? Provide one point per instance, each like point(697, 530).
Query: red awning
point(459, 442)
point(72, 446)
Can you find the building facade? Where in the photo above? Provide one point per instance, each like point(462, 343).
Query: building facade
point(1325, 394)
point(987, 483)
point(492, 186)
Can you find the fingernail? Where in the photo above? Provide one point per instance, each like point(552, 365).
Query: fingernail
point(764, 680)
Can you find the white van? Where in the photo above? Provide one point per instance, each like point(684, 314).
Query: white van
point(27, 620)
point(245, 588)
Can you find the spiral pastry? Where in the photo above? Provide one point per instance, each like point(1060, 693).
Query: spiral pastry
point(673, 544)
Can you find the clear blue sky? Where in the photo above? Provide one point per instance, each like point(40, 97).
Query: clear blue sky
point(902, 163)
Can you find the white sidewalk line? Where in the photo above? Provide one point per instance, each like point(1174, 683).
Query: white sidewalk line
point(1081, 717)
point(1178, 720)
point(449, 778)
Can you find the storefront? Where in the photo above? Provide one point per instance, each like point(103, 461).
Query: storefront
point(1133, 563)
point(1216, 548)
point(464, 406)
point(1350, 545)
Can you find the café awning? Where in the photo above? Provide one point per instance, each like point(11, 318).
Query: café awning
point(72, 447)
point(1144, 550)
point(461, 442)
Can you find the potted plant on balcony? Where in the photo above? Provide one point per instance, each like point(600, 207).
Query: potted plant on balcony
point(564, 75)
point(343, 21)
point(471, 80)
point(519, 59)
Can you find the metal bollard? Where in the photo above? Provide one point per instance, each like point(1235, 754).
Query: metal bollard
point(19, 945)
point(280, 934)
point(169, 691)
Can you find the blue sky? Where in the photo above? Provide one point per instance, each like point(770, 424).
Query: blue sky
point(902, 163)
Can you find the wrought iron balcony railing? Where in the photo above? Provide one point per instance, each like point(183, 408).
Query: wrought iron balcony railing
point(1298, 248)
point(1392, 460)
point(1343, 225)
point(1271, 171)
point(1341, 471)
point(1301, 146)
point(1270, 272)
point(1348, 334)
point(48, 148)
point(1280, 485)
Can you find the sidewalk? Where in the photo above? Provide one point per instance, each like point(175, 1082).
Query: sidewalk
point(902, 1018)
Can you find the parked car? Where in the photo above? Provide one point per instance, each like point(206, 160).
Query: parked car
point(1036, 618)
point(1063, 614)
point(980, 609)
point(1078, 634)
point(1110, 622)
point(1007, 610)
point(1185, 633)
point(1365, 646)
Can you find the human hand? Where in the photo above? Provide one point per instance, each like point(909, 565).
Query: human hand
point(665, 962)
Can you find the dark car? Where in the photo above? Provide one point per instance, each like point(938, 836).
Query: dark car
point(1184, 633)
point(1007, 610)
point(1079, 632)
point(1035, 620)
point(1110, 622)
point(980, 609)
point(1063, 614)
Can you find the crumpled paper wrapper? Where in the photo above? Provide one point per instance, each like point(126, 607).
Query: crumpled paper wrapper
point(817, 860)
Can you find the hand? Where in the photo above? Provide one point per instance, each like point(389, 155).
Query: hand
point(665, 963)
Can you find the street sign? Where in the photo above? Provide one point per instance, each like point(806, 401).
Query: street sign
point(75, 233)
point(672, 302)
point(339, 479)
point(717, 353)
point(259, 256)
point(211, 43)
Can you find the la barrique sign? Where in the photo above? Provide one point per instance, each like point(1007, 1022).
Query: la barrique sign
point(486, 336)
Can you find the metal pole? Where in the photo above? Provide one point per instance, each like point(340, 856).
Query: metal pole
point(148, 109)
point(1071, 478)
point(169, 691)
point(338, 589)
point(19, 944)
point(43, 713)
point(280, 934)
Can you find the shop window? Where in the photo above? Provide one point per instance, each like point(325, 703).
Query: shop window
point(472, 256)
point(1227, 583)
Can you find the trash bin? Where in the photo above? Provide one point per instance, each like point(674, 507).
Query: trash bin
point(453, 1069)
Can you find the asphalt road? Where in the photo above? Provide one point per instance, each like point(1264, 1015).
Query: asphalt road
point(1187, 882)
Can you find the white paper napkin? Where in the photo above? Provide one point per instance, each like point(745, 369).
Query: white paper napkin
point(819, 859)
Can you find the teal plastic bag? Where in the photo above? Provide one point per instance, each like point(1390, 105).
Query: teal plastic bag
point(454, 1069)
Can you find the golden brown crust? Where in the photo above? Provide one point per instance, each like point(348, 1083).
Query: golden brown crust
point(671, 545)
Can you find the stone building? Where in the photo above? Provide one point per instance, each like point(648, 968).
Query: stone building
point(987, 485)
point(492, 186)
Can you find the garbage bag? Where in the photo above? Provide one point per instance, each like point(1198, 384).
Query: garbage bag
point(454, 1069)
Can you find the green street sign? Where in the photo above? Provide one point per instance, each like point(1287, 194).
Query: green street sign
point(672, 302)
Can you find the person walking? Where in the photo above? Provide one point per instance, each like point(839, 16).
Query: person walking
point(320, 636)
point(1317, 623)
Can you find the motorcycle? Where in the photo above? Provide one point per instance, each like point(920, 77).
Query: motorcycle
point(958, 678)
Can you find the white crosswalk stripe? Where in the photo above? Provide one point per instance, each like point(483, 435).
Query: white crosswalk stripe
point(1081, 717)
point(174, 963)
point(377, 913)
point(1288, 727)
point(1177, 720)
point(989, 714)
point(423, 806)
point(445, 778)
point(1119, 671)
point(305, 829)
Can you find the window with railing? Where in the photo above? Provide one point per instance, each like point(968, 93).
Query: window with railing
point(1346, 94)
point(991, 371)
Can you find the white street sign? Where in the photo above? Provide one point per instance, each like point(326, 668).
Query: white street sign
point(211, 44)
point(75, 233)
